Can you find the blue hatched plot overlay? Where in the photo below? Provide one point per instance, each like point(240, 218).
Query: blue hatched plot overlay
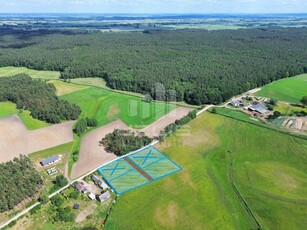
point(138, 169)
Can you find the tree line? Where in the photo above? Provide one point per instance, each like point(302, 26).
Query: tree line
point(198, 65)
point(37, 96)
point(121, 142)
point(19, 180)
point(168, 130)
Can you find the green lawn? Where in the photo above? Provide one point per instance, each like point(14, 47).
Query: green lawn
point(37, 157)
point(9, 108)
point(107, 106)
point(268, 168)
point(10, 71)
point(288, 89)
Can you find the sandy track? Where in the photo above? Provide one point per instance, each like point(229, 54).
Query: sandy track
point(155, 128)
point(15, 139)
point(91, 154)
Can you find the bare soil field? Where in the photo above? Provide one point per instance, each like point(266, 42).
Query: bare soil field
point(155, 128)
point(15, 139)
point(91, 153)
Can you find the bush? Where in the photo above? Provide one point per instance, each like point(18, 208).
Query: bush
point(74, 194)
point(60, 181)
point(57, 200)
point(43, 198)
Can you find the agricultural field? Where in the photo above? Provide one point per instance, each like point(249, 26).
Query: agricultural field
point(63, 88)
point(289, 89)
point(107, 106)
point(9, 108)
point(46, 75)
point(269, 173)
point(16, 139)
point(289, 110)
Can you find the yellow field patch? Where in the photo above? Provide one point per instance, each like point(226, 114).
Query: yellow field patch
point(113, 112)
point(63, 88)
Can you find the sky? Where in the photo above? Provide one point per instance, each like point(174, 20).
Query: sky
point(153, 6)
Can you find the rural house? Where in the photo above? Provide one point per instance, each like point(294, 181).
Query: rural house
point(80, 187)
point(104, 196)
point(99, 182)
point(49, 160)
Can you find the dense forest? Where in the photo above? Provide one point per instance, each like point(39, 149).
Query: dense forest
point(121, 142)
point(37, 96)
point(19, 180)
point(200, 66)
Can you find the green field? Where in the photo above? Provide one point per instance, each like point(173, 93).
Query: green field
point(288, 89)
point(9, 108)
point(11, 71)
point(107, 106)
point(269, 172)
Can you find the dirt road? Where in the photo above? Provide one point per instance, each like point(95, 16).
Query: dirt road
point(15, 139)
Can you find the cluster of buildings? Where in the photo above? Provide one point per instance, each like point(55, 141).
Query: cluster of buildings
point(81, 187)
point(256, 106)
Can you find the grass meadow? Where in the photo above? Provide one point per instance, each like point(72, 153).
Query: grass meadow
point(11, 71)
point(9, 108)
point(107, 106)
point(289, 89)
point(267, 167)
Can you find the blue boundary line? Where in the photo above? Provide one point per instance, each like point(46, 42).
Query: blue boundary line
point(122, 174)
point(153, 163)
point(129, 168)
point(179, 168)
point(162, 156)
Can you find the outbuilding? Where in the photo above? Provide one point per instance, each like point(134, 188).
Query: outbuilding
point(49, 160)
point(99, 182)
point(104, 196)
point(260, 108)
point(91, 196)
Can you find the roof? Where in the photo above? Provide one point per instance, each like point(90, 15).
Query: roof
point(92, 196)
point(104, 185)
point(49, 160)
point(96, 179)
point(76, 206)
point(259, 108)
point(80, 187)
point(104, 196)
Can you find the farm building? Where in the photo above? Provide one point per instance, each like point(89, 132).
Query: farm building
point(99, 182)
point(92, 196)
point(260, 108)
point(49, 160)
point(80, 187)
point(104, 196)
point(235, 103)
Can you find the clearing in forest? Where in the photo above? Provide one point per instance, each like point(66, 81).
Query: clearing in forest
point(40, 74)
